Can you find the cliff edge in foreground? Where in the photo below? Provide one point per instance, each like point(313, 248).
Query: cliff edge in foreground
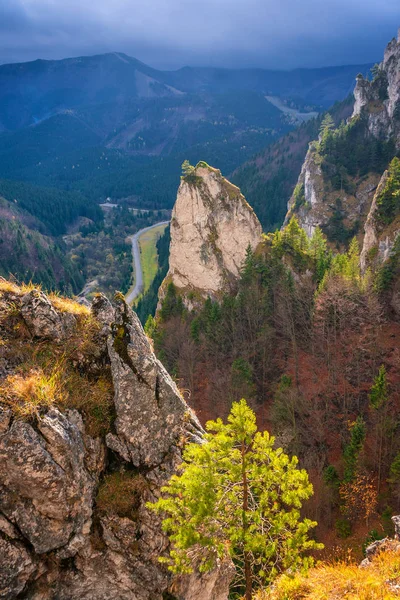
point(91, 427)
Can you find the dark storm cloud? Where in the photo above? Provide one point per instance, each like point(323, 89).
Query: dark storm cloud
point(268, 33)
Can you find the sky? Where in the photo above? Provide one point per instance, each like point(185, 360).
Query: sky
point(168, 34)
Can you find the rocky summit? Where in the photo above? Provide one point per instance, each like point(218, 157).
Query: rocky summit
point(212, 227)
point(91, 427)
point(341, 179)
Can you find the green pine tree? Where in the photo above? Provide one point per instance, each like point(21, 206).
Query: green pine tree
point(235, 494)
point(379, 391)
point(326, 129)
point(353, 449)
point(187, 169)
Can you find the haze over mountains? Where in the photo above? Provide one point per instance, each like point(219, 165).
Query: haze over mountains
point(33, 91)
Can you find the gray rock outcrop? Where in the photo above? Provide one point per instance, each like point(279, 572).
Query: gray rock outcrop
point(151, 415)
point(311, 212)
point(46, 490)
point(42, 319)
point(315, 201)
point(56, 541)
point(377, 238)
point(379, 100)
point(212, 226)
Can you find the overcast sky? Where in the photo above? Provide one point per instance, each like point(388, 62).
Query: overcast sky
point(174, 33)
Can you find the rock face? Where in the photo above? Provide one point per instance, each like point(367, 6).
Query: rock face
point(374, 237)
point(149, 416)
point(379, 100)
point(212, 226)
point(42, 319)
point(315, 201)
point(311, 213)
point(56, 543)
point(46, 490)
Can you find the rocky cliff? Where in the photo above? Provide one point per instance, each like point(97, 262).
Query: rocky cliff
point(343, 169)
point(212, 226)
point(378, 101)
point(91, 427)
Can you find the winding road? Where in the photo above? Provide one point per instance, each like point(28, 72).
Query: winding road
point(137, 288)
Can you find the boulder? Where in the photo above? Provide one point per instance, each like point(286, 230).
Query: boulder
point(41, 318)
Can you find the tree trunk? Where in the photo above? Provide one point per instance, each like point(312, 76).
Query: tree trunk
point(246, 555)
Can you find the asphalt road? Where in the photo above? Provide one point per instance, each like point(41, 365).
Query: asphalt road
point(135, 291)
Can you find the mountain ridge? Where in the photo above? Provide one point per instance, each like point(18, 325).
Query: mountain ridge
point(36, 77)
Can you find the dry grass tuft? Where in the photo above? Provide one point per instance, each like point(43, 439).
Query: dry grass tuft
point(28, 395)
point(84, 340)
point(8, 286)
point(46, 377)
point(120, 493)
point(48, 373)
point(60, 303)
point(67, 305)
point(378, 581)
point(13, 288)
point(34, 388)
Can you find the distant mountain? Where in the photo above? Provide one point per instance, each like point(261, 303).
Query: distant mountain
point(34, 91)
point(59, 117)
point(321, 87)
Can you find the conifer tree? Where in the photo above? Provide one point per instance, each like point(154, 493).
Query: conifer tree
point(327, 126)
point(187, 169)
point(379, 400)
point(235, 494)
point(379, 391)
point(353, 449)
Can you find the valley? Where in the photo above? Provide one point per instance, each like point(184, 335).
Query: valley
point(144, 258)
point(295, 114)
point(110, 126)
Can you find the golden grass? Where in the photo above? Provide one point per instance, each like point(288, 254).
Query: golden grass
point(377, 581)
point(59, 302)
point(13, 288)
point(67, 305)
point(33, 389)
point(27, 395)
point(48, 373)
point(94, 399)
point(120, 493)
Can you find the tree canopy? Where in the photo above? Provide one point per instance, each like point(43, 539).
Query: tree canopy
point(236, 495)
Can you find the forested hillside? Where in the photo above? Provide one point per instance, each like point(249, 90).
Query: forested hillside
point(26, 254)
point(313, 344)
point(311, 332)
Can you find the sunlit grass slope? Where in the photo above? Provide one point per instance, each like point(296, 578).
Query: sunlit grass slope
point(380, 580)
point(148, 254)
